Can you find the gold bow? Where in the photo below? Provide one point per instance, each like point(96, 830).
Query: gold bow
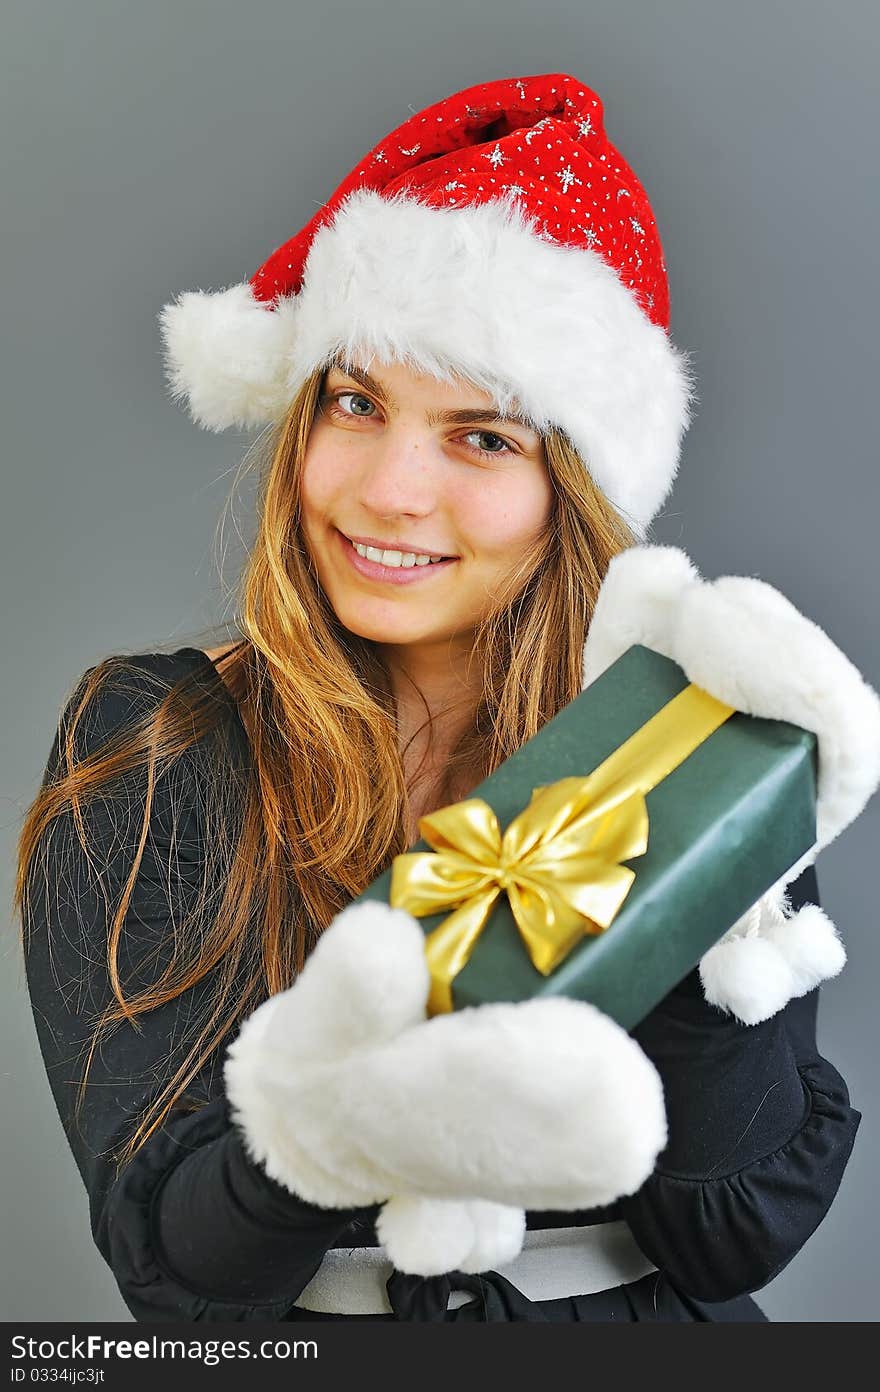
point(558, 860)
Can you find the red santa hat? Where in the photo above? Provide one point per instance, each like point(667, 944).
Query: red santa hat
point(497, 235)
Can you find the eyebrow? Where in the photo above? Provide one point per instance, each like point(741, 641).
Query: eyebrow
point(462, 416)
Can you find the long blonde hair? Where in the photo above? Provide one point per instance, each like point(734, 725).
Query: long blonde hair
point(322, 805)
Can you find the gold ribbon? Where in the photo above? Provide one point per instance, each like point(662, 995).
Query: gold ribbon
point(558, 860)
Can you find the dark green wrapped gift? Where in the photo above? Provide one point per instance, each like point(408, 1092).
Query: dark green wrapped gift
point(702, 838)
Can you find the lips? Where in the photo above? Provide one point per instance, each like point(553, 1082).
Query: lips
point(392, 575)
point(405, 548)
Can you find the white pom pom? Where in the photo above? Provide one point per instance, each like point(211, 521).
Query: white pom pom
point(748, 977)
point(226, 356)
point(427, 1237)
point(498, 1233)
point(811, 946)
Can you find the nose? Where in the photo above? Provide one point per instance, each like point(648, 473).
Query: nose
point(398, 479)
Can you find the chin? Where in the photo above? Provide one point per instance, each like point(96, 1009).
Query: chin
point(378, 632)
point(382, 626)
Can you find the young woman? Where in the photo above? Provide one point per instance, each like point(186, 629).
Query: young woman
point(475, 412)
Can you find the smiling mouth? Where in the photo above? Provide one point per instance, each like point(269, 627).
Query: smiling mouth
point(404, 550)
point(398, 575)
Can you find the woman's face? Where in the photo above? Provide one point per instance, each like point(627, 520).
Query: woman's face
point(387, 462)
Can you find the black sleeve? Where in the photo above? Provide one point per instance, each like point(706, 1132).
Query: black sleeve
point(760, 1133)
point(192, 1228)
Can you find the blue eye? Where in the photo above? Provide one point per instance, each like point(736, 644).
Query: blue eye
point(338, 397)
point(491, 454)
point(333, 401)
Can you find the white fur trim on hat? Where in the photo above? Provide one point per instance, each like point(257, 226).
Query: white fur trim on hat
point(473, 292)
point(744, 642)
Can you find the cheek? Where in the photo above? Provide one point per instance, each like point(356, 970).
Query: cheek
point(323, 478)
point(506, 518)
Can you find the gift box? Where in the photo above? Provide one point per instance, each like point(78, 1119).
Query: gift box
point(612, 850)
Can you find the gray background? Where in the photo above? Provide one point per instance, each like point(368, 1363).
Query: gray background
point(172, 146)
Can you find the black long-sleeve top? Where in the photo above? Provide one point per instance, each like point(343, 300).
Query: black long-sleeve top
point(760, 1125)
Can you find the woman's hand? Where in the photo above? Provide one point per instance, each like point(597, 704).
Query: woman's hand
point(746, 644)
point(347, 1095)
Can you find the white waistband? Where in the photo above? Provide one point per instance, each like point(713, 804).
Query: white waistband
point(554, 1262)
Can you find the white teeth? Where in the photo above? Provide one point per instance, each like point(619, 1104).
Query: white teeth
point(401, 559)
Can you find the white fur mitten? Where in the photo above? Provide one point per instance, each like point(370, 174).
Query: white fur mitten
point(347, 1095)
point(741, 640)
